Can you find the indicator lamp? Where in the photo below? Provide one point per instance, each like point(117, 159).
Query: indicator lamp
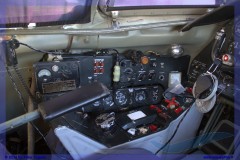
point(144, 60)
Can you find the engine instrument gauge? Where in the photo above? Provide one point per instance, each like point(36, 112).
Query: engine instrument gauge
point(140, 96)
point(121, 98)
point(108, 101)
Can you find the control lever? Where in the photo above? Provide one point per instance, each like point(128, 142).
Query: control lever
point(216, 63)
point(61, 105)
point(218, 43)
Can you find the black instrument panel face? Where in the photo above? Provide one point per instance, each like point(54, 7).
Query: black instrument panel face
point(154, 72)
point(140, 82)
point(203, 60)
point(128, 98)
point(56, 77)
point(72, 72)
point(224, 73)
point(96, 69)
point(136, 96)
point(121, 127)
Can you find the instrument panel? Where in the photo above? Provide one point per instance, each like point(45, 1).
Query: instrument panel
point(142, 78)
point(151, 69)
point(128, 98)
point(57, 77)
point(225, 72)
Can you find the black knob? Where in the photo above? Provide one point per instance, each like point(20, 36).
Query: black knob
point(142, 76)
point(151, 75)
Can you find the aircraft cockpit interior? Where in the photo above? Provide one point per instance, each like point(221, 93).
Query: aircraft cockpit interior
point(111, 79)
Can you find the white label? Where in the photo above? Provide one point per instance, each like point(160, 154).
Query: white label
point(136, 115)
point(174, 78)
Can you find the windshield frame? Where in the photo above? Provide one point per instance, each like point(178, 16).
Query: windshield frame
point(111, 7)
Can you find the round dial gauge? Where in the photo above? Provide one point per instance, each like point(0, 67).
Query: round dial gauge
point(140, 96)
point(121, 98)
point(44, 72)
point(108, 101)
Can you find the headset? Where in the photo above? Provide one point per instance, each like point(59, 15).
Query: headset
point(205, 88)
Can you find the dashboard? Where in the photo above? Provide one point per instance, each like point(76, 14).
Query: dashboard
point(135, 107)
point(141, 78)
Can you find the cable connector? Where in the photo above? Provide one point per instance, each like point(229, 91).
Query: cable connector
point(116, 72)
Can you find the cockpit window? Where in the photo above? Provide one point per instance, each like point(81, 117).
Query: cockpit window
point(45, 12)
point(146, 4)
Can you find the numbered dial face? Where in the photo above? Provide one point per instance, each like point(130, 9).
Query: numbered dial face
point(140, 96)
point(108, 101)
point(44, 72)
point(121, 98)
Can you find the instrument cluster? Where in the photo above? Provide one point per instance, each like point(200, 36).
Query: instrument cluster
point(134, 79)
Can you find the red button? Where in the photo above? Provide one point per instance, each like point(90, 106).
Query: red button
point(225, 58)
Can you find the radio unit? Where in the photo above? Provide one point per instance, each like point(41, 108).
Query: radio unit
point(53, 77)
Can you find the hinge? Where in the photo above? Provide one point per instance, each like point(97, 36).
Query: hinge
point(115, 23)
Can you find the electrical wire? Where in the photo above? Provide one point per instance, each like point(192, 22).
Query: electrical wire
point(39, 50)
point(112, 49)
point(25, 109)
point(173, 135)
